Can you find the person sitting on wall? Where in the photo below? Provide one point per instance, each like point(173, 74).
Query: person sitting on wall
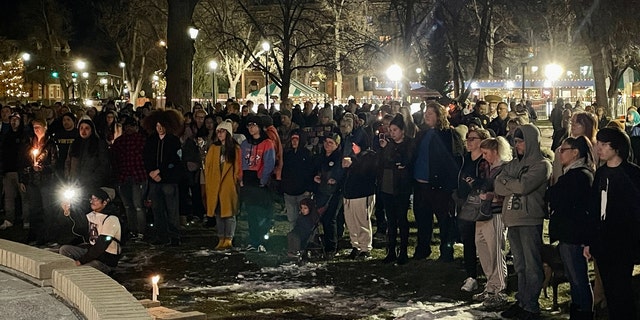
point(101, 248)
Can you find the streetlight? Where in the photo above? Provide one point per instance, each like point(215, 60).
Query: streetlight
point(266, 47)
point(80, 66)
point(552, 72)
point(418, 71)
point(213, 65)
point(394, 73)
point(25, 58)
point(193, 34)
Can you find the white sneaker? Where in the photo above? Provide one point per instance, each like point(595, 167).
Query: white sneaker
point(6, 224)
point(495, 301)
point(470, 284)
point(482, 296)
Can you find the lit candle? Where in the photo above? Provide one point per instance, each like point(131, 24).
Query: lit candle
point(155, 291)
point(35, 153)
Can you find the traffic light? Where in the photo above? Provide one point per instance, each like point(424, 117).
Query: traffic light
point(74, 75)
point(54, 74)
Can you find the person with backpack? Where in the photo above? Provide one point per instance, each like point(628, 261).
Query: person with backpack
point(101, 247)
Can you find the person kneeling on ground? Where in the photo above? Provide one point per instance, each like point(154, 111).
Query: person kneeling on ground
point(102, 250)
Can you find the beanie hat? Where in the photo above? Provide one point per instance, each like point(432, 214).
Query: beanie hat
point(475, 121)
point(334, 136)
point(285, 112)
point(255, 119)
point(398, 121)
point(226, 125)
point(104, 193)
point(70, 115)
point(267, 121)
point(325, 113)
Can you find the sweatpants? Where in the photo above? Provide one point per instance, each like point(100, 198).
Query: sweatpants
point(357, 216)
point(490, 242)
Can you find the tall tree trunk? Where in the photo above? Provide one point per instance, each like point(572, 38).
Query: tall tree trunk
point(180, 52)
point(599, 74)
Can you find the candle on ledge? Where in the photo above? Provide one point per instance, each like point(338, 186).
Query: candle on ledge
point(155, 290)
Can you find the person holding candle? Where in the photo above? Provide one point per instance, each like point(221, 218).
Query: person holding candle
point(36, 179)
point(101, 247)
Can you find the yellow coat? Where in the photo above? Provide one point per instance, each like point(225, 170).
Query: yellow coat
point(221, 186)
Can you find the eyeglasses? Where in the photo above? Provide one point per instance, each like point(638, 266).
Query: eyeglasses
point(251, 124)
point(562, 150)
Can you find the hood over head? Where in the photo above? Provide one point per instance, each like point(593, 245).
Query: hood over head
point(531, 137)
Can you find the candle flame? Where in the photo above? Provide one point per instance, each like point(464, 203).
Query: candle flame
point(155, 279)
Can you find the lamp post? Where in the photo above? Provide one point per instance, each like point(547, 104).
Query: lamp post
point(25, 59)
point(552, 72)
point(266, 46)
point(213, 65)
point(193, 34)
point(419, 71)
point(80, 65)
point(394, 73)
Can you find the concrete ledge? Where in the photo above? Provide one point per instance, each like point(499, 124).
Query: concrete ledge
point(34, 262)
point(96, 295)
point(162, 313)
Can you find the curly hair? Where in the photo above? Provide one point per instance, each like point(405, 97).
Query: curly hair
point(170, 119)
point(443, 122)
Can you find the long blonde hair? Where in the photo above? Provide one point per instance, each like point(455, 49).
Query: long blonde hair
point(499, 144)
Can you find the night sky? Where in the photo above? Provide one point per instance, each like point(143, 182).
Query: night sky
point(86, 42)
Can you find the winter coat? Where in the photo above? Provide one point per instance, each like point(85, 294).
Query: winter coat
point(523, 182)
point(444, 156)
point(360, 180)
point(395, 166)
point(46, 158)
point(164, 154)
point(570, 218)
point(259, 156)
point(89, 166)
point(297, 171)
point(221, 183)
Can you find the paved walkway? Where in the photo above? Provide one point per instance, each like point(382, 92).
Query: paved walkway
point(22, 300)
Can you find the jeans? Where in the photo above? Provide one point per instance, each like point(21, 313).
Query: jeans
point(11, 193)
point(131, 195)
point(165, 203)
point(292, 205)
point(467, 230)
point(329, 219)
point(396, 208)
point(75, 253)
point(575, 269)
point(259, 206)
point(526, 247)
point(427, 201)
point(226, 227)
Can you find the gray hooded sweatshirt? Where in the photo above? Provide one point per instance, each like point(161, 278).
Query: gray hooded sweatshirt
point(523, 182)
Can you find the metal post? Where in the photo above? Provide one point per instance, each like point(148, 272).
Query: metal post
point(524, 65)
point(266, 79)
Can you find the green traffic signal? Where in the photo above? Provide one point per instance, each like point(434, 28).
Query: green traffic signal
point(74, 74)
point(55, 74)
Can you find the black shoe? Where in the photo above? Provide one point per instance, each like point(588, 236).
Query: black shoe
point(391, 257)
point(403, 258)
point(354, 253)
point(364, 255)
point(514, 311)
point(420, 256)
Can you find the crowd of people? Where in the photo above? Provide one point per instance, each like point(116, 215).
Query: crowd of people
point(479, 169)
